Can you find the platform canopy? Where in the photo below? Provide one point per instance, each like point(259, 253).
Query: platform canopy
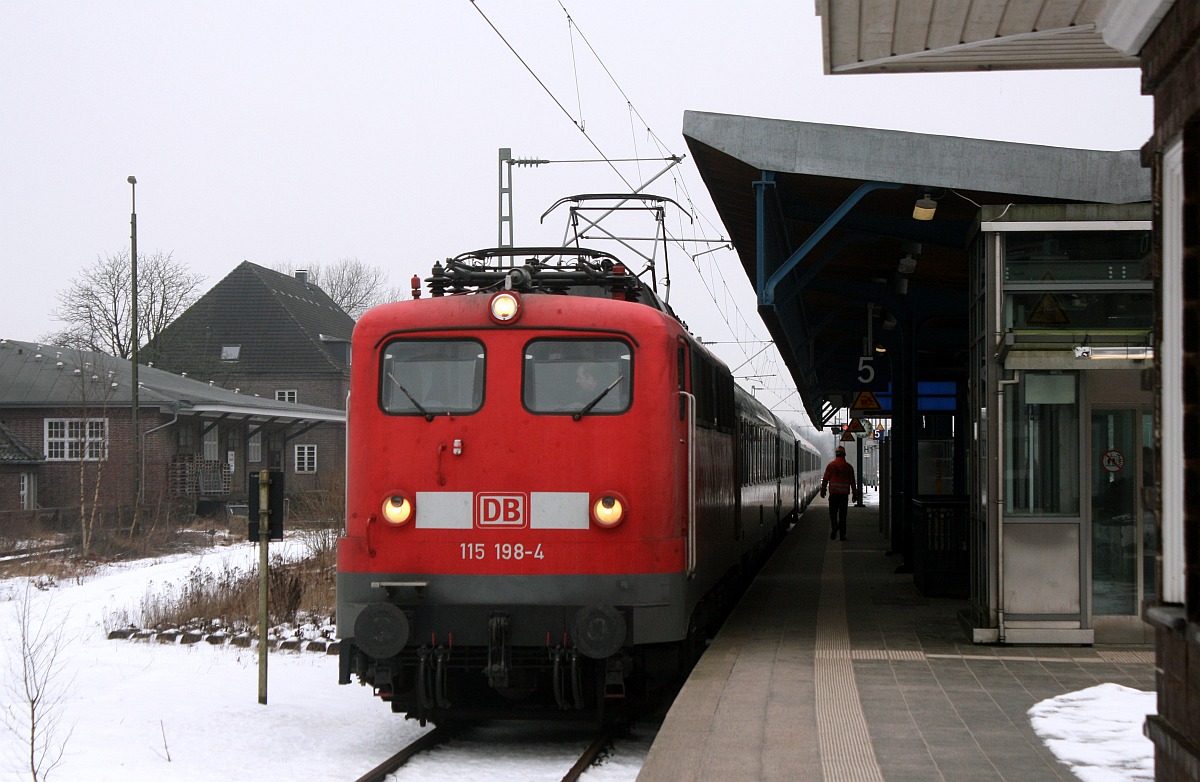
point(822, 218)
point(886, 36)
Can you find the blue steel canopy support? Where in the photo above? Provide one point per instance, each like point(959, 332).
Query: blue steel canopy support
point(766, 180)
point(766, 286)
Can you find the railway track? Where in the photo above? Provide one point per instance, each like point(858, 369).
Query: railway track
point(439, 736)
point(426, 742)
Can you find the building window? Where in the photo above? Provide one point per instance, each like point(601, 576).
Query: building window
point(76, 439)
point(1081, 281)
point(1041, 446)
point(306, 458)
point(288, 395)
point(254, 447)
point(28, 490)
point(212, 444)
point(230, 352)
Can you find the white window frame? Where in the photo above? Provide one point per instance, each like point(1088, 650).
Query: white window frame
point(28, 490)
point(286, 395)
point(76, 439)
point(254, 447)
point(1174, 515)
point(306, 459)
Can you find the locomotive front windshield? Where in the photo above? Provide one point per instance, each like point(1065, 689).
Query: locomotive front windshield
point(432, 377)
point(577, 377)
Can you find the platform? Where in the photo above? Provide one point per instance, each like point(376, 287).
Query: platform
point(833, 667)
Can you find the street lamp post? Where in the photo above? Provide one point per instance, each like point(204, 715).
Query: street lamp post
point(137, 440)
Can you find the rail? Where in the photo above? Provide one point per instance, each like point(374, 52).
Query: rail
point(440, 735)
point(426, 742)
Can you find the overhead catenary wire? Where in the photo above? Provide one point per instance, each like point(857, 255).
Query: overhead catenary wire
point(577, 123)
point(729, 311)
point(575, 70)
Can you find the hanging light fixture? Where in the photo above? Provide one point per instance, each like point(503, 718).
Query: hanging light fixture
point(924, 208)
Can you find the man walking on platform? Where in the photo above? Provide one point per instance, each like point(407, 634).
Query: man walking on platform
point(839, 479)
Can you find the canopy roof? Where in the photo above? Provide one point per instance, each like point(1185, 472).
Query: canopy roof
point(821, 215)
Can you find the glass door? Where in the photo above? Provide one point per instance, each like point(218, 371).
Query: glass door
point(1116, 457)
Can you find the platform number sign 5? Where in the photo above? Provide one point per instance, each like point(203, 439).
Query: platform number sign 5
point(866, 372)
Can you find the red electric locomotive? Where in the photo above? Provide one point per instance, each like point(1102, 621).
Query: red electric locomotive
point(553, 490)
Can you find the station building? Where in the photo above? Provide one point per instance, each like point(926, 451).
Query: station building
point(1002, 344)
point(1021, 318)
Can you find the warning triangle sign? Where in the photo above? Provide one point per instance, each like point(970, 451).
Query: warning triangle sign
point(865, 402)
point(847, 437)
point(856, 425)
point(1046, 310)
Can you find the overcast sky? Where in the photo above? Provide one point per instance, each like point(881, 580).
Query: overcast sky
point(305, 132)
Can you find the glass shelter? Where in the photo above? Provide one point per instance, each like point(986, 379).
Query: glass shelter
point(1061, 320)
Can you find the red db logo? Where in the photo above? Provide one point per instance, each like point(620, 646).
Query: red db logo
point(500, 510)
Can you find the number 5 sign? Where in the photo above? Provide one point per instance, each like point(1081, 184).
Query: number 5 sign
point(866, 372)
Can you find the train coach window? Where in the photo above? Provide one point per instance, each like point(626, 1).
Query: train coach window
point(432, 377)
point(577, 377)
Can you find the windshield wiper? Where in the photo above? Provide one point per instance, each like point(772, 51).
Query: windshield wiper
point(588, 407)
point(428, 415)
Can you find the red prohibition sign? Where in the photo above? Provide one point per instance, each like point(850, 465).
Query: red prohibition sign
point(1112, 461)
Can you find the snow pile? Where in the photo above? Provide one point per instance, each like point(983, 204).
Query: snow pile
point(1097, 732)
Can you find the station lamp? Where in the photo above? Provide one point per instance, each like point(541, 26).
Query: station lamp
point(924, 208)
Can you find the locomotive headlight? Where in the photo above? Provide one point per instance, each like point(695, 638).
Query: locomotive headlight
point(397, 509)
point(505, 307)
point(609, 510)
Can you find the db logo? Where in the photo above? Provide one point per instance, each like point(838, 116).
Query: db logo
point(500, 510)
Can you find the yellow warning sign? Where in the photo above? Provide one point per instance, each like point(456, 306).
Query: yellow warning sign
point(1047, 311)
point(856, 425)
point(865, 402)
point(847, 437)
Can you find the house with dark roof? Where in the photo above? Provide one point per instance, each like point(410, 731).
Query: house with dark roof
point(67, 437)
point(263, 333)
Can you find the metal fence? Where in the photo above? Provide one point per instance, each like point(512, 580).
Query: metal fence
point(941, 546)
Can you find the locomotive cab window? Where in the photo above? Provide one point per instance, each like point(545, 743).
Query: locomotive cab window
point(578, 377)
point(432, 377)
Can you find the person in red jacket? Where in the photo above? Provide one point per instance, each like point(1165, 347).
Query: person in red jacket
point(840, 483)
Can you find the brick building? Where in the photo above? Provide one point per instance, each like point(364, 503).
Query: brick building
point(277, 337)
point(66, 436)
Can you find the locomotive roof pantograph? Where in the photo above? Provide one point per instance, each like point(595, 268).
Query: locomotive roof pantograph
point(559, 270)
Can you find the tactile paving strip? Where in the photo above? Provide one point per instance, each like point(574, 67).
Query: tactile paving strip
point(846, 750)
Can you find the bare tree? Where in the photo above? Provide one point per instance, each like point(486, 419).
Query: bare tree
point(353, 285)
point(38, 687)
point(87, 440)
point(97, 306)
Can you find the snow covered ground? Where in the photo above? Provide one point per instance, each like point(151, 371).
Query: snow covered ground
point(134, 711)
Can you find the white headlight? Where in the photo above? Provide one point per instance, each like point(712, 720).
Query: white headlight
point(505, 307)
point(397, 509)
point(608, 511)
